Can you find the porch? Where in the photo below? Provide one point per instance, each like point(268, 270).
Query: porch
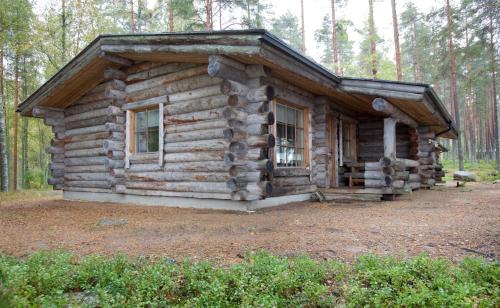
point(371, 157)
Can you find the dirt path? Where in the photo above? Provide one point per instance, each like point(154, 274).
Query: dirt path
point(451, 222)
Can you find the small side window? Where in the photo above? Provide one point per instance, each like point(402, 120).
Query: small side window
point(146, 131)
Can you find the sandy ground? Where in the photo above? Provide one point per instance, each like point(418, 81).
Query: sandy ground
point(447, 221)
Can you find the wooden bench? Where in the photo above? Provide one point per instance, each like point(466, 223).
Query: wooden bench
point(355, 173)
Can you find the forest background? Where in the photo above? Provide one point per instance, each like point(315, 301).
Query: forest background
point(451, 44)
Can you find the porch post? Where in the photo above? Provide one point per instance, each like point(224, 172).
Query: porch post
point(390, 137)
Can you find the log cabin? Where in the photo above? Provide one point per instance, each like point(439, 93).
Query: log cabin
point(232, 120)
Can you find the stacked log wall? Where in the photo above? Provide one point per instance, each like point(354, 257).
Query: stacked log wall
point(94, 137)
point(215, 144)
point(192, 161)
point(320, 144)
point(248, 117)
point(302, 180)
point(80, 161)
point(392, 175)
point(430, 168)
point(371, 140)
point(55, 118)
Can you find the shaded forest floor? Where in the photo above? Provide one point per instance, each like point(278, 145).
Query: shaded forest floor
point(446, 221)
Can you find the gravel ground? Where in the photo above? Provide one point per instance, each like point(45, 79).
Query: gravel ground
point(446, 221)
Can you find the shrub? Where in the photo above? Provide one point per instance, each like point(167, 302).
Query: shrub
point(60, 279)
point(35, 179)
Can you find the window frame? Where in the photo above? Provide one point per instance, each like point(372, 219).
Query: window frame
point(306, 130)
point(130, 150)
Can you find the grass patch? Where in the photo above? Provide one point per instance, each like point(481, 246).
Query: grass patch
point(485, 170)
point(28, 194)
point(59, 279)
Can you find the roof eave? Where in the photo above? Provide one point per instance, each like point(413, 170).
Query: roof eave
point(451, 130)
point(261, 37)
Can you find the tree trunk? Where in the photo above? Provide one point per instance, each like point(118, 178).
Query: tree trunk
point(454, 94)
point(24, 137)
point(132, 17)
point(16, 124)
point(303, 29)
point(171, 16)
point(220, 14)
point(209, 23)
point(417, 71)
point(4, 165)
point(24, 153)
point(373, 40)
point(494, 93)
point(334, 40)
point(63, 31)
point(396, 41)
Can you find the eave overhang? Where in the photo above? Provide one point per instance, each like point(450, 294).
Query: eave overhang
point(85, 70)
point(418, 100)
point(257, 46)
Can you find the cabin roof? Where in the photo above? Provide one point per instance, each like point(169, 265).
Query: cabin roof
point(255, 46)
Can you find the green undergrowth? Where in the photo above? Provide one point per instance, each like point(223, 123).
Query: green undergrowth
point(485, 170)
point(60, 279)
point(28, 194)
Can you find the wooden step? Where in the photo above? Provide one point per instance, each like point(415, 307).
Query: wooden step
point(353, 197)
point(347, 190)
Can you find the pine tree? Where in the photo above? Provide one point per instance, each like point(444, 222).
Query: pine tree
point(302, 27)
point(373, 40)
point(397, 50)
point(453, 81)
point(324, 40)
point(170, 16)
point(4, 165)
point(4, 162)
point(253, 12)
point(286, 27)
point(334, 39)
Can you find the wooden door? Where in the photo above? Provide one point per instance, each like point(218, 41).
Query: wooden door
point(332, 176)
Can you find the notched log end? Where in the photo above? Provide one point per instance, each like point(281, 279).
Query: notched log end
point(270, 93)
point(229, 158)
point(270, 118)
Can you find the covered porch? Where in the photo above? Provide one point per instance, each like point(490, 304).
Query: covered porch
point(385, 148)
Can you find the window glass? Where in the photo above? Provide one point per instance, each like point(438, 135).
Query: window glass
point(140, 120)
point(291, 114)
point(289, 149)
point(280, 113)
point(153, 118)
point(146, 131)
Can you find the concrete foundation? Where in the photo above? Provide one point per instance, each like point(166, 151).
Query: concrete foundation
point(182, 202)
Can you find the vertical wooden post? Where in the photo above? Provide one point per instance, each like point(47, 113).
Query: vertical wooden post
point(162, 135)
point(341, 144)
point(332, 178)
point(128, 126)
point(390, 137)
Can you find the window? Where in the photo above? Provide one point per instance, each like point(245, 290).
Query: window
point(146, 131)
point(349, 141)
point(290, 145)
